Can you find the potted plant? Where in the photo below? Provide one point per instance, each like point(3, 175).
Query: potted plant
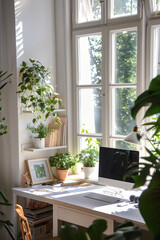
point(36, 90)
point(39, 132)
point(89, 157)
point(149, 171)
point(62, 162)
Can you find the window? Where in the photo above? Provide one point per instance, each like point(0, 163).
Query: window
point(108, 69)
point(88, 10)
point(89, 85)
point(121, 8)
point(156, 5)
point(156, 50)
point(123, 82)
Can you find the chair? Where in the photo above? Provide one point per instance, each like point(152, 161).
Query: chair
point(25, 229)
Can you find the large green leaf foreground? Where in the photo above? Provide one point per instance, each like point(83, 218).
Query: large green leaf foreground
point(149, 204)
point(125, 231)
point(150, 98)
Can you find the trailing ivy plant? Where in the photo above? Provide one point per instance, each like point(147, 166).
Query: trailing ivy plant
point(36, 90)
point(4, 80)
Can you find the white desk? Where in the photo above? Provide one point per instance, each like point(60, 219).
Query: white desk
point(71, 205)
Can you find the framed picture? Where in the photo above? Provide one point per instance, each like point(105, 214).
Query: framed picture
point(40, 170)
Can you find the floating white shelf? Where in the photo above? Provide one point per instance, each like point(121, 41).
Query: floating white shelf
point(56, 111)
point(30, 149)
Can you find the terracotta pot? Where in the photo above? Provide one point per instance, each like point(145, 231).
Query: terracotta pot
point(62, 174)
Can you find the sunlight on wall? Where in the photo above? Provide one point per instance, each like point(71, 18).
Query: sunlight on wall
point(86, 95)
point(19, 30)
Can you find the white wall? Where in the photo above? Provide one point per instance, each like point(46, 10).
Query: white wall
point(35, 38)
point(35, 35)
point(9, 159)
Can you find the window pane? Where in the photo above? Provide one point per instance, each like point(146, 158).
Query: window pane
point(90, 108)
point(156, 51)
point(156, 5)
point(88, 10)
point(124, 52)
point(120, 8)
point(123, 145)
point(122, 102)
point(90, 59)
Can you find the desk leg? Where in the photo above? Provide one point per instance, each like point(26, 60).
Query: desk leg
point(55, 220)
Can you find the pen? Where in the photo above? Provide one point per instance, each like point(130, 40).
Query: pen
point(71, 184)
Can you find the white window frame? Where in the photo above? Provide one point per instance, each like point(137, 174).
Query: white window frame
point(113, 25)
point(108, 73)
point(77, 86)
point(95, 23)
point(124, 18)
point(150, 37)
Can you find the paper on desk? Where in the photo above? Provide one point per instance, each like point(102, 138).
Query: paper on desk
point(59, 188)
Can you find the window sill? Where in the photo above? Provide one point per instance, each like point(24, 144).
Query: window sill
point(80, 177)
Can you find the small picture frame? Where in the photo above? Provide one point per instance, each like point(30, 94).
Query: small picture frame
point(40, 170)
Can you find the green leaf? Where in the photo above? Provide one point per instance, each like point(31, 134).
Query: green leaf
point(96, 230)
point(31, 60)
point(34, 120)
point(141, 178)
point(155, 83)
point(149, 205)
point(24, 64)
point(29, 87)
point(155, 181)
point(23, 87)
point(125, 231)
point(70, 233)
point(24, 100)
point(47, 115)
point(22, 70)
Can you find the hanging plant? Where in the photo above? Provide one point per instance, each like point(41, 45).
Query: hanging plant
point(36, 90)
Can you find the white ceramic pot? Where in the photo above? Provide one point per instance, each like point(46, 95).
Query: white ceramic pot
point(38, 142)
point(89, 172)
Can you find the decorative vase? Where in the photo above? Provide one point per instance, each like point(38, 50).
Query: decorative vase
point(38, 142)
point(89, 172)
point(62, 174)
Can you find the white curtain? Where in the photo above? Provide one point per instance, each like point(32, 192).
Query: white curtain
point(85, 11)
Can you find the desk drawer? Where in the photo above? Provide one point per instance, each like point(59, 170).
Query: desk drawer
point(82, 219)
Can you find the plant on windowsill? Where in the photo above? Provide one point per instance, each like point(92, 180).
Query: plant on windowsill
point(39, 132)
point(89, 156)
point(36, 90)
point(62, 162)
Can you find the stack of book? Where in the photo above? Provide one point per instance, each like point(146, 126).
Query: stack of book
point(58, 136)
point(40, 221)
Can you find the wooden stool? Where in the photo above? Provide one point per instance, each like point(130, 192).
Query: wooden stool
point(25, 229)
